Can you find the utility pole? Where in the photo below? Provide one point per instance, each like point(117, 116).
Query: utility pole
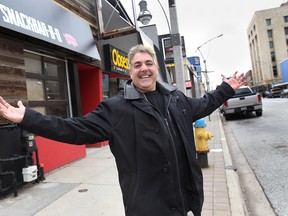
point(177, 48)
point(205, 63)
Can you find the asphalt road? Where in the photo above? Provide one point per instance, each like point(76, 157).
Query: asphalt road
point(264, 143)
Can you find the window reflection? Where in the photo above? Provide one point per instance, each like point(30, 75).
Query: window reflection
point(35, 89)
point(105, 84)
point(55, 90)
point(32, 63)
point(54, 67)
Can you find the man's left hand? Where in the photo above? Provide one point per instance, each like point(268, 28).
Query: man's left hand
point(235, 81)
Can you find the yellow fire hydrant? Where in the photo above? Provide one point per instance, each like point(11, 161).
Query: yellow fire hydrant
point(201, 138)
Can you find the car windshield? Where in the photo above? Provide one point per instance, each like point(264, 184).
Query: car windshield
point(276, 89)
point(242, 91)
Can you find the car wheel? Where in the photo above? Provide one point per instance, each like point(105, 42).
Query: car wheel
point(227, 117)
point(258, 113)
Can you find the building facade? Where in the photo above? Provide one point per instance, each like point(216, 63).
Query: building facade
point(45, 61)
point(268, 43)
point(62, 58)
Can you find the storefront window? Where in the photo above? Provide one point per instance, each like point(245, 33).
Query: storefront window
point(115, 85)
point(54, 67)
point(105, 84)
point(46, 84)
point(35, 89)
point(33, 63)
point(55, 90)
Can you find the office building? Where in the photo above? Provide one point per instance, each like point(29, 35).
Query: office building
point(268, 42)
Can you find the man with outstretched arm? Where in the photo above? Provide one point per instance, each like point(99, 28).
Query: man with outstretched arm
point(149, 126)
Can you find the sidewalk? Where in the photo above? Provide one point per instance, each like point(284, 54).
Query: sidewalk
point(223, 195)
point(90, 185)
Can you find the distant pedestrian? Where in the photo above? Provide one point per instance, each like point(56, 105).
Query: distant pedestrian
point(149, 126)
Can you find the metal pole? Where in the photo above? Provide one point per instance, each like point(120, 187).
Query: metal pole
point(206, 76)
point(177, 48)
point(204, 61)
point(205, 70)
point(135, 14)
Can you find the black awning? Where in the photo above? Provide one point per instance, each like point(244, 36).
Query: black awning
point(49, 22)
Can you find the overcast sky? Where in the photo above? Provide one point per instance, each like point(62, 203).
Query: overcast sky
point(201, 20)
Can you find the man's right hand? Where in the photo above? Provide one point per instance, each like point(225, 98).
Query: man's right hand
point(14, 114)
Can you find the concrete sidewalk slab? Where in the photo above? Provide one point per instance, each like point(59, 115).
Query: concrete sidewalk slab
point(96, 200)
point(33, 198)
point(98, 192)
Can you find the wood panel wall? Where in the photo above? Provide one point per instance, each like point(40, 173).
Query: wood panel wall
point(86, 9)
point(12, 73)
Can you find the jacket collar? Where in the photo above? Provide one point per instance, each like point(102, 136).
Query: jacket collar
point(131, 93)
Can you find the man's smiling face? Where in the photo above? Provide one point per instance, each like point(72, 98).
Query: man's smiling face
point(143, 72)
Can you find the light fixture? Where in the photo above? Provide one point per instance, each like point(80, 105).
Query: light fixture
point(144, 15)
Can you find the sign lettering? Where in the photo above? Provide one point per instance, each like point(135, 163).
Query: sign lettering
point(24, 21)
point(119, 60)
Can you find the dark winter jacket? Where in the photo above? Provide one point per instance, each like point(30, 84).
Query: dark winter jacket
point(140, 141)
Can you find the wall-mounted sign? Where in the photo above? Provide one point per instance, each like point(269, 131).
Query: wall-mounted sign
point(167, 48)
point(115, 60)
point(48, 22)
point(194, 60)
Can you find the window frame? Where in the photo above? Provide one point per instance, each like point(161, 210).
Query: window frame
point(270, 33)
point(286, 30)
point(271, 44)
point(45, 77)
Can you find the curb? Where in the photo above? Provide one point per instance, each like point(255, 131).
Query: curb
point(237, 203)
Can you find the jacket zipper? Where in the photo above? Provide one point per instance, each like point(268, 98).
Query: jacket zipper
point(176, 160)
point(168, 131)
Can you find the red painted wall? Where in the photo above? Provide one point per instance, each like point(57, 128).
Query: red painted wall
point(53, 154)
point(90, 79)
point(90, 88)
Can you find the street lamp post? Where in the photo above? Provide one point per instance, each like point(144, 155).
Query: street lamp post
point(144, 15)
point(175, 39)
point(177, 48)
point(204, 61)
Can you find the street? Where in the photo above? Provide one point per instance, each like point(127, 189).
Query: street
point(264, 143)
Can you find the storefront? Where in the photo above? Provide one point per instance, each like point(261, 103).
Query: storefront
point(49, 60)
point(116, 63)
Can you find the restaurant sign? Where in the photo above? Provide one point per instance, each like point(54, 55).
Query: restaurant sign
point(49, 22)
point(116, 60)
